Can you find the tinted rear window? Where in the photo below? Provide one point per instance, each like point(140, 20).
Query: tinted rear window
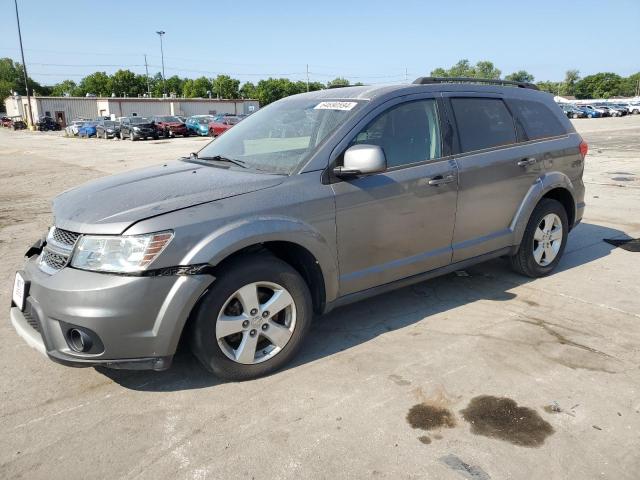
point(536, 120)
point(483, 123)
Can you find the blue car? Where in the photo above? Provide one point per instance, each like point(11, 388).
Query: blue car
point(88, 129)
point(199, 124)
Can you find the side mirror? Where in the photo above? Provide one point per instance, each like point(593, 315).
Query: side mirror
point(362, 160)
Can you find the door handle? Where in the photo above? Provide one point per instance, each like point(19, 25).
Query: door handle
point(527, 162)
point(441, 180)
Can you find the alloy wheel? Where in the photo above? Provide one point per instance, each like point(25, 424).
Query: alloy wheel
point(256, 322)
point(547, 239)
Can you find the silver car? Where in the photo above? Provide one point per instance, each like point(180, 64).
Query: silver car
point(314, 201)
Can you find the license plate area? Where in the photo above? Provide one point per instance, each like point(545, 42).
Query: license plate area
point(20, 291)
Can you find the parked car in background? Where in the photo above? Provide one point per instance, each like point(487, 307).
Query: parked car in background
point(621, 107)
point(72, 129)
point(634, 108)
point(5, 121)
point(218, 127)
point(88, 129)
point(15, 123)
point(573, 112)
point(107, 129)
point(613, 112)
point(170, 126)
point(46, 124)
point(593, 112)
point(137, 128)
point(199, 124)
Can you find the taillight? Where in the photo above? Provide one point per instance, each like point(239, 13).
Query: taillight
point(584, 149)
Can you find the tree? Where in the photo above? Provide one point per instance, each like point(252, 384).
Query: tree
point(97, 83)
point(272, 89)
point(66, 87)
point(520, 76)
point(338, 82)
point(226, 87)
point(569, 85)
point(548, 86)
point(127, 83)
point(631, 87)
point(12, 79)
point(248, 90)
point(198, 88)
point(174, 85)
point(482, 69)
point(600, 85)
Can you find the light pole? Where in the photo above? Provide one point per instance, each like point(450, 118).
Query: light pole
point(164, 88)
point(24, 69)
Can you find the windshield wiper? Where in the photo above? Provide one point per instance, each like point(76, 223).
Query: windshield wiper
point(219, 158)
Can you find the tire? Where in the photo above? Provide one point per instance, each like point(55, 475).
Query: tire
point(121, 136)
point(524, 261)
point(132, 137)
point(215, 352)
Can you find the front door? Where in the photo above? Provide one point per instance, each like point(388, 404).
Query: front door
point(60, 119)
point(397, 223)
point(495, 174)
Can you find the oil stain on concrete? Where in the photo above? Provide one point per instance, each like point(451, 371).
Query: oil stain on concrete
point(503, 419)
point(430, 417)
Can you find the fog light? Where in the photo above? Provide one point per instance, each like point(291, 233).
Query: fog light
point(79, 341)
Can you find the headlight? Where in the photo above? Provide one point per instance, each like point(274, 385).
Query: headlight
point(119, 254)
point(136, 128)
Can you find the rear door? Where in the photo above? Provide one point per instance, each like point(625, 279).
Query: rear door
point(495, 173)
point(397, 223)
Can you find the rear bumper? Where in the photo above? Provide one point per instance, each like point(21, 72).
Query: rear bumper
point(133, 322)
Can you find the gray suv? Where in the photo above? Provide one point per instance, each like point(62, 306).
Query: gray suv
point(315, 201)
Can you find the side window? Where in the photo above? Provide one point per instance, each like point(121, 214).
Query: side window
point(483, 123)
point(537, 120)
point(408, 133)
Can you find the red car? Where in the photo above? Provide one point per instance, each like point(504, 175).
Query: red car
point(170, 126)
point(221, 125)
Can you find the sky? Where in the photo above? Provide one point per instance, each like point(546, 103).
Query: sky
point(364, 41)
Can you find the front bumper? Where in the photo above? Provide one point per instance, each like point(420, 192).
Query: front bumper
point(137, 321)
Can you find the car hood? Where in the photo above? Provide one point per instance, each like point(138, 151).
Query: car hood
point(172, 124)
point(111, 204)
point(143, 125)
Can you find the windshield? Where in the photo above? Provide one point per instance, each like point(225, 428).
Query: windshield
point(281, 136)
point(167, 119)
point(204, 120)
point(137, 120)
point(109, 123)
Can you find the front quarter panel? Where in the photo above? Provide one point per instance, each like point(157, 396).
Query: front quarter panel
point(300, 210)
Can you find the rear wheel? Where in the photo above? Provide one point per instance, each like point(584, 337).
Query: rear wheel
point(253, 319)
point(544, 240)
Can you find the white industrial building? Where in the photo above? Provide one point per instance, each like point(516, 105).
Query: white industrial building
point(66, 109)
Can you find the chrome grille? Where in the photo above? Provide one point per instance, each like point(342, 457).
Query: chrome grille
point(57, 251)
point(64, 237)
point(52, 260)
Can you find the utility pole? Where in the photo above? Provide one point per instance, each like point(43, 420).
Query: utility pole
point(406, 75)
point(164, 87)
point(146, 68)
point(307, 77)
point(24, 69)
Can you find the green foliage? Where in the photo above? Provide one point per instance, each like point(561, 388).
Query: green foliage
point(66, 87)
point(482, 69)
point(520, 76)
point(248, 90)
point(338, 82)
point(98, 83)
point(12, 79)
point(226, 87)
point(600, 85)
point(198, 88)
point(127, 83)
point(551, 87)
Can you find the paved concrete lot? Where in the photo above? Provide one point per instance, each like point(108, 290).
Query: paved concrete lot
point(566, 348)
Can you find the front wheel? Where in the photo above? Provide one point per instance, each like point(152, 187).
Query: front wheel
point(544, 240)
point(253, 319)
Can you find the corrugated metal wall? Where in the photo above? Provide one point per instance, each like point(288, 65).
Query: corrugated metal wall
point(72, 107)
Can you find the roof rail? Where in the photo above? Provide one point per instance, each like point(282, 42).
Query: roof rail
point(489, 81)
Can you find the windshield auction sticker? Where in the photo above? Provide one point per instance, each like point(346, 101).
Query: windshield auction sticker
point(335, 105)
